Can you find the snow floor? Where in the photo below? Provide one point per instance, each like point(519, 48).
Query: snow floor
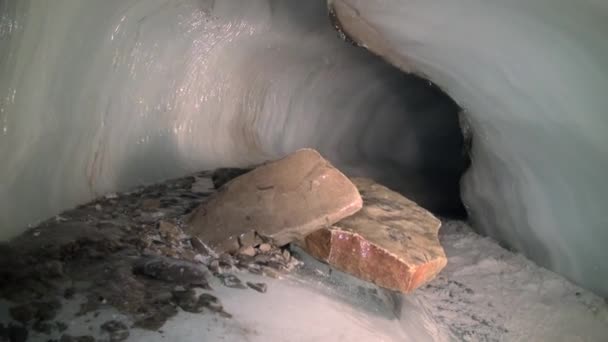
point(486, 293)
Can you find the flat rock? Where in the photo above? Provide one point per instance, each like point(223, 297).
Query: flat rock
point(392, 242)
point(282, 200)
point(171, 270)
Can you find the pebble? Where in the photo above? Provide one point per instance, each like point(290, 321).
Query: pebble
point(214, 267)
point(171, 270)
point(286, 255)
point(212, 303)
point(168, 230)
point(260, 287)
point(232, 281)
point(255, 269)
point(265, 247)
point(248, 251)
point(202, 248)
point(269, 272)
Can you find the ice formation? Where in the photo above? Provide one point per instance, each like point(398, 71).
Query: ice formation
point(101, 95)
point(531, 77)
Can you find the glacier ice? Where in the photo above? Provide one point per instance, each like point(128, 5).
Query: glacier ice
point(531, 77)
point(147, 90)
point(101, 95)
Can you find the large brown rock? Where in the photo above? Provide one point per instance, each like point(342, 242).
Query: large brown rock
point(391, 242)
point(282, 200)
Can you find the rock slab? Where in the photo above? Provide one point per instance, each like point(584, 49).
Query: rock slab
point(391, 242)
point(282, 201)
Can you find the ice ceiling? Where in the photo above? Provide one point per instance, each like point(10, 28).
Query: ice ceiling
point(98, 96)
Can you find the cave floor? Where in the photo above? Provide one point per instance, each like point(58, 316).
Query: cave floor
point(83, 277)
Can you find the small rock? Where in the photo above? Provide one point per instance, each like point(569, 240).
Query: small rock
point(201, 259)
point(265, 248)
point(172, 270)
point(260, 287)
point(286, 255)
point(232, 281)
point(118, 331)
point(214, 267)
point(226, 261)
point(212, 303)
point(284, 200)
point(248, 251)
point(262, 259)
point(202, 248)
point(168, 230)
point(269, 272)
point(255, 269)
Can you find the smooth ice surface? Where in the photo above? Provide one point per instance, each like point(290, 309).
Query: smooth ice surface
point(532, 77)
point(97, 96)
point(486, 293)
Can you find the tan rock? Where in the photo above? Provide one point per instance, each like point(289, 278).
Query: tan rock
point(391, 242)
point(168, 230)
point(265, 248)
point(247, 250)
point(282, 200)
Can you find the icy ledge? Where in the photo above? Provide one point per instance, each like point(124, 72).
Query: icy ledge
point(532, 77)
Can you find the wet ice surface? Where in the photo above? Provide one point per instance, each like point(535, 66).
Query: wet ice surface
point(486, 293)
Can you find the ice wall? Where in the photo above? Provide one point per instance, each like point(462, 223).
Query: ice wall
point(532, 76)
point(98, 96)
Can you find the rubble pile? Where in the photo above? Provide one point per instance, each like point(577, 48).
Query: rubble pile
point(160, 249)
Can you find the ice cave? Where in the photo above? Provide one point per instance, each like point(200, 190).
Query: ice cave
point(492, 115)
